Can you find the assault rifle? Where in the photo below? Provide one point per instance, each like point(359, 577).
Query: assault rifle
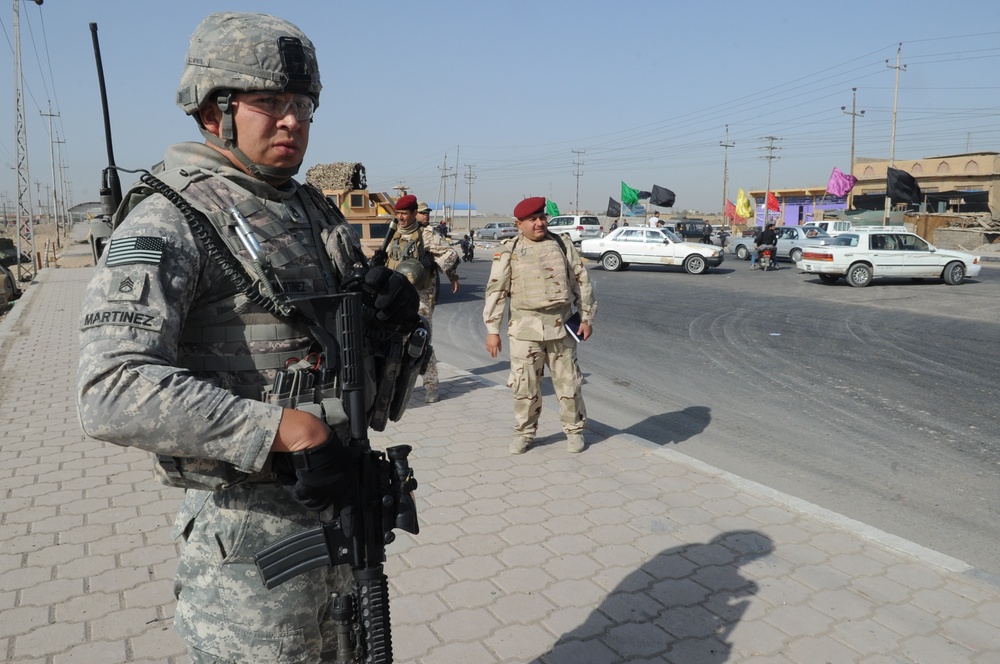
point(380, 501)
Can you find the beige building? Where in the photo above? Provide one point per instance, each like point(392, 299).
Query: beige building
point(962, 183)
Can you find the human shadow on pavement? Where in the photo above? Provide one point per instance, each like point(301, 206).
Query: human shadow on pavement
point(680, 607)
point(675, 427)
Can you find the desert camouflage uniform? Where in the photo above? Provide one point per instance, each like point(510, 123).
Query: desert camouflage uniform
point(543, 285)
point(166, 366)
point(446, 259)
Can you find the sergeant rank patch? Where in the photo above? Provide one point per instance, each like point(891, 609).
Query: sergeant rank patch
point(131, 250)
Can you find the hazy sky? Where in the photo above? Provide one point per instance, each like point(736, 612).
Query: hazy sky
point(644, 88)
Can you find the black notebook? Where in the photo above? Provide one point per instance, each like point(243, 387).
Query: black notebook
point(573, 326)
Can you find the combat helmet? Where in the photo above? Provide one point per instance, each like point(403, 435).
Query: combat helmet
point(241, 52)
point(414, 272)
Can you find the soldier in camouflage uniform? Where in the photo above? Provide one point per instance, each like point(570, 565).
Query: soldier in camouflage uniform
point(178, 360)
point(416, 241)
point(544, 279)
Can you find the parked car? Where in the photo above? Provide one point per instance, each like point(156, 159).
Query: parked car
point(792, 241)
point(576, 227)
point(649, 246)
point(496, 230)
point(861, 256)
point(835, 227)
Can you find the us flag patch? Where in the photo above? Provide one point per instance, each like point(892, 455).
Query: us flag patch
point(129, 250)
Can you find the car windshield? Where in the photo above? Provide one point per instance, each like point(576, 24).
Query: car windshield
point(816, 232)
point(673, 238)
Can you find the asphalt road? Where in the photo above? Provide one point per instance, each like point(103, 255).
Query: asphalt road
point(881, 404)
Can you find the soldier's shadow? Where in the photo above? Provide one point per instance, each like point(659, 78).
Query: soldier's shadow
point(681, 606)
point(675, 427)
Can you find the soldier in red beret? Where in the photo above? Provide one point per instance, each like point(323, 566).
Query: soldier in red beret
point(543, 278)
point(421, 254)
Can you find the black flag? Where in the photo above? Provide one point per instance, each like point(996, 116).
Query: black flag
point(901, 186)
point(662, 197)
point(643, 195)
point(614, 209)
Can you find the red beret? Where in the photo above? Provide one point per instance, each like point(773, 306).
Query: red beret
point(529, 206)
point(408, 202)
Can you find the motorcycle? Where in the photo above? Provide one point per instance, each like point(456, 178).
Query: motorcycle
point(765, 260)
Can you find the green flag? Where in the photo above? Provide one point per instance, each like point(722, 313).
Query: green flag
point(630, 196)
point(551, 208)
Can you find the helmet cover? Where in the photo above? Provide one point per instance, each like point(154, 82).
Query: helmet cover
point(246, 52)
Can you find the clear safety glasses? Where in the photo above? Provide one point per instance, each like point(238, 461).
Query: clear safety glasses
point(279, 106)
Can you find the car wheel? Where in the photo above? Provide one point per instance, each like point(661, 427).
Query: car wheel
point(695, 264)
point(496, 236)
point(742, 252)
point(859, 275)
point(829, 278)
point(611, 262)
point(954, 272)
point(795, 255)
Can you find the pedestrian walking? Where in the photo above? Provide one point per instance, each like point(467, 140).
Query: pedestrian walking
point(542, 280)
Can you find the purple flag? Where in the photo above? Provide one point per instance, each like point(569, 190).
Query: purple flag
point(840, 182)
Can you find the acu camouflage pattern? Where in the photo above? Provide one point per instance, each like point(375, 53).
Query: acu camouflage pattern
point(239, 51)
point(542, 286)
point(445, 258)
point(135, 390)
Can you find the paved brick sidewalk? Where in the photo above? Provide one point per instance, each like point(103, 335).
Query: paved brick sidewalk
point(625, 553)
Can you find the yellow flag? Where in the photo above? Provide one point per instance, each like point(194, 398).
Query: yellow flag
point(743, 207)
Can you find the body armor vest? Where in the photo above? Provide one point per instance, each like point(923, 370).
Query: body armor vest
point(227, 339)
point(542, 283)
point(406, 244)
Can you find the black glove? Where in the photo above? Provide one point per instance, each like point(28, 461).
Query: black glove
point(320, 476)
point(391, 295)
point(381, 257)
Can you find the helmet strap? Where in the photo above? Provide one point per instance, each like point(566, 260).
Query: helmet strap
point(226, 140)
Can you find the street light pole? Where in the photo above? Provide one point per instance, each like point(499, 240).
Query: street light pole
point(854, 116)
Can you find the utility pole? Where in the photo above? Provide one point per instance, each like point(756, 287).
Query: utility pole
point(469, 177)
point(578, 173)
point(855, 114)
point(52, 159)
point(454, 188)
point(770, 157)
point(725, 173)
point(892, 143)
point(25, 223)
point(442, 186)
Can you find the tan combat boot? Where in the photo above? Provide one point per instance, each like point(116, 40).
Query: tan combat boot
point(574, 442)
point(431, 396)
point(520, 444)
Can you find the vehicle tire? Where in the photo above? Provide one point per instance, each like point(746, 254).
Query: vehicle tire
point(954, 272)
point(743, 253)
point(859, 275)
point(695, 264)
point(795, 255)
point(829, 278)
point(611, 262)
point(496, 236)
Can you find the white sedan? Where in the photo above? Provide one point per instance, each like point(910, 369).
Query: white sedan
point(860, 256)
point(649, 246)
